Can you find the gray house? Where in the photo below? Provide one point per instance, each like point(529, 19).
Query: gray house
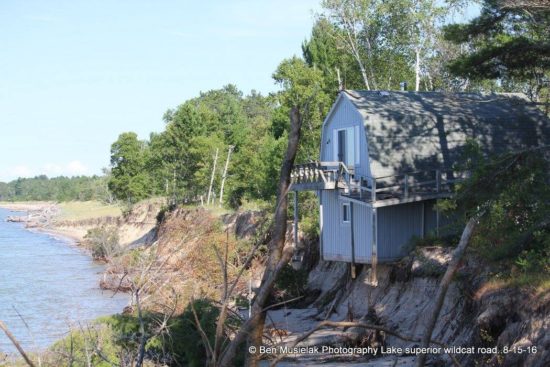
point(386, 157)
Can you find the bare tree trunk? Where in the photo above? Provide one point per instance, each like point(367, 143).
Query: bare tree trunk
point(142, 341)
point(417, 69)
point(339, 78)
point(14, 341)
point(444, 285)
point(212, 178)
point(364, 74)
point(224, 176)
point(278, 257)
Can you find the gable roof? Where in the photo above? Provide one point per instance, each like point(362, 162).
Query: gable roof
point(415, 131)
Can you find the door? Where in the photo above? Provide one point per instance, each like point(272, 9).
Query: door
point(342, 156)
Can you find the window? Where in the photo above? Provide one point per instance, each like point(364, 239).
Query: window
point(346, 214)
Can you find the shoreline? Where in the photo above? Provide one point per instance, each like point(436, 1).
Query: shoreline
point(40, 217)
point(59, 234)
point(26, 206)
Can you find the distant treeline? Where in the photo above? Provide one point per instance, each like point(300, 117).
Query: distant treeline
point(56, 189)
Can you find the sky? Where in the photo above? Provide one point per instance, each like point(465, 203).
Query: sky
point(75, 74)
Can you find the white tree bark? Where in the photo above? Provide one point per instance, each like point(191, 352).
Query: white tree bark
point(224, 176)
point(458, 254)
point(212, 178)
point(417, 69)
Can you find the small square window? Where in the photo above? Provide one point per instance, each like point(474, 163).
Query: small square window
point(346, 217)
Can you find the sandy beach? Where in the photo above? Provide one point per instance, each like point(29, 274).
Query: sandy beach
point(41, 217)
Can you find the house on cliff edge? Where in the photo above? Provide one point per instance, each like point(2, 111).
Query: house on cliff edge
point(386, 157)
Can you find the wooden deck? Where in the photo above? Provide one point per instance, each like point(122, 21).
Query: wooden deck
point(315, 176)
point(376, 191)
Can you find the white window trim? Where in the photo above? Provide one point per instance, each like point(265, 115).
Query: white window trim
point(342, 221)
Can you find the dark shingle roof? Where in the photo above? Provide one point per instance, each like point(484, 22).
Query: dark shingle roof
point(410, 131)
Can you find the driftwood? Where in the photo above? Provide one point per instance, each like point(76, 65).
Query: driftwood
point(15, 342)
point(345, 336)
point(458, 254)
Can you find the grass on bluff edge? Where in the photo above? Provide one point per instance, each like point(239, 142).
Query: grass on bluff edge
point(78, 210)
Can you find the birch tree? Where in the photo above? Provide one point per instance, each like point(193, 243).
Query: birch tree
point(359, 22)
point(417, 25)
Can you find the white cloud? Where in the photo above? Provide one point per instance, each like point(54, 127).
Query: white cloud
point(51, 169)
point(76, 168)
point(21, 171)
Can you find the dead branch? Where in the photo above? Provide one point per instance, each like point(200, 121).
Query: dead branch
point(458, 254)
point(14, 341)
point(143, 339)
point(349, 324)
point(204, 337)
point(281, 303)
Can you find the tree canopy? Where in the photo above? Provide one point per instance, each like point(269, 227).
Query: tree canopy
point(508, 42)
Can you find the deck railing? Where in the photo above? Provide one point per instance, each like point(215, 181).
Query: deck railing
point(407, 185)
point(336, 175)
point(321, 174)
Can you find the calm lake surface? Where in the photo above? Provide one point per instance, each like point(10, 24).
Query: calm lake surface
point(51, 283)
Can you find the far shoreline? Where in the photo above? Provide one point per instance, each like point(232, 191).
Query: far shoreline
point(41, 207)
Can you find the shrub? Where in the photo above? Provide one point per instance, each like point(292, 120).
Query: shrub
point(102, 243)
point(291, 283)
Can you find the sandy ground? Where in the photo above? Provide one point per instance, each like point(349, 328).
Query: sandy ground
point(25, 206)
point(44, 210)
point(294, 322)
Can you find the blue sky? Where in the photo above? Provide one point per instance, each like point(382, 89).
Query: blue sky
point(75, 74)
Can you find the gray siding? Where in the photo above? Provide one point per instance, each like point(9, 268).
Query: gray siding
point(429, 217)
point(396, 226)
point(362, 225)
point(336, 236)
point(345, 115)
point(446, 223)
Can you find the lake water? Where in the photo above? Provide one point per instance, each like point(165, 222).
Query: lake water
point(51, 283)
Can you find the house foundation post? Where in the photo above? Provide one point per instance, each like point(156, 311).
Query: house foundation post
point(352, 241)
point(321, 250)
point(295, 221)
point(374, 247)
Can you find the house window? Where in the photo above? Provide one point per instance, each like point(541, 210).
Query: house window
point(346, 213)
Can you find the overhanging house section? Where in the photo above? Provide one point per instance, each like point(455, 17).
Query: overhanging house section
point(386, 157)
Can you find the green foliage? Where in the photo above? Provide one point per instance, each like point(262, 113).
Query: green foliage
point(512, 191)
point(303, 88)
point(309, 214)
point(290, 283)
point(130, 181)
point(102, 242)
point(188, 343)
point(79, 347)
point(509, 44)
point(56, 189)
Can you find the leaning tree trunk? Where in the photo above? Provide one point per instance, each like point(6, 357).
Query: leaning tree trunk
point(252, 329)
point(458, 254)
